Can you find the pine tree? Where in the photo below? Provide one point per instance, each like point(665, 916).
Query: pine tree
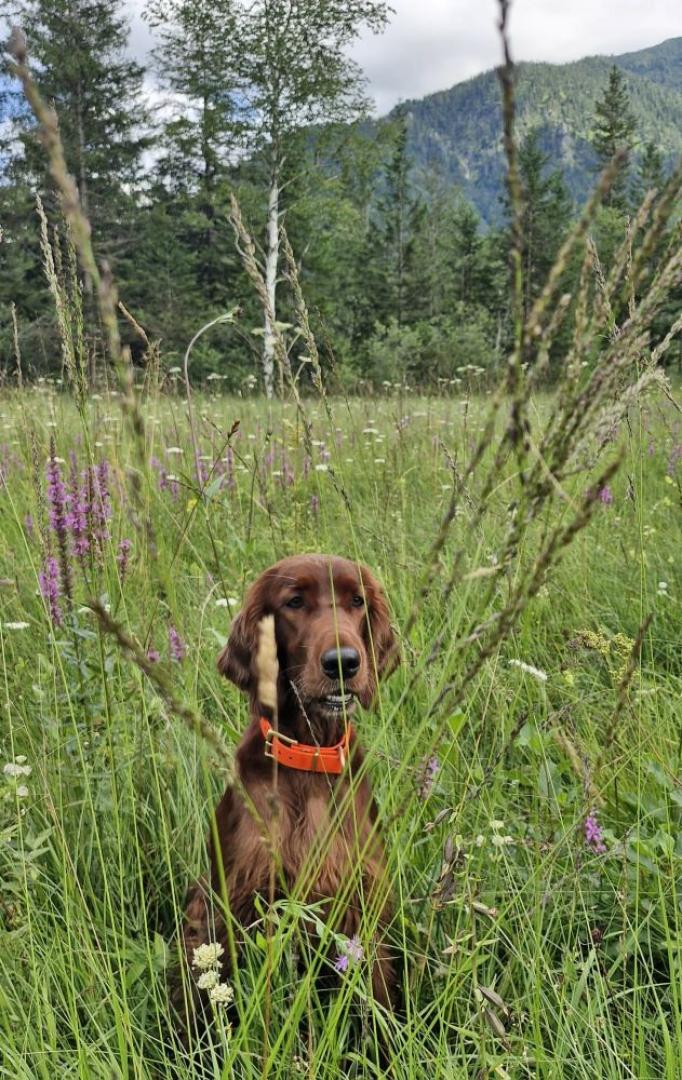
point(545, 214)
point(649, 172)
point(614, 131)
point(77, 50)
point(199, 139)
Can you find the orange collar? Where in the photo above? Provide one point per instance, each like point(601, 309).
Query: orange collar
point(296, 755)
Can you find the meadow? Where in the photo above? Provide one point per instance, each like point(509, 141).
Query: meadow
point(526, 756)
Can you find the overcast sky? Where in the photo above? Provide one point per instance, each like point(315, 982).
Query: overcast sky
point(432, 44)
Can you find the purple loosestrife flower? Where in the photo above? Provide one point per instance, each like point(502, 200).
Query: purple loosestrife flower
point(153, 655)
point(80, 516)
point(57, 498)
point(58, 510)
point(101, 503)
point(49, 588)
point(124, 548)
point(593, 834)
point(606, 495)
point(176, 646)
point(352, 952)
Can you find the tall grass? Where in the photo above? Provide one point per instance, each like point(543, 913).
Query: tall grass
point(497, 888)
point(526, 756)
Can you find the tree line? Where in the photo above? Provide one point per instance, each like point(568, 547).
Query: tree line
point(260, 100)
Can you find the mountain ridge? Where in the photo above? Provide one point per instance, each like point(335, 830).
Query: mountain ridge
point(457, 131)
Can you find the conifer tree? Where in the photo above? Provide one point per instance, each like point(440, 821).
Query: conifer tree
point(545, 214)
point(649, 172)
point(614, 131)
point(199, 137)
point(77, 49)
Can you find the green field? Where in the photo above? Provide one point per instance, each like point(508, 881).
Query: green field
point(533, 948)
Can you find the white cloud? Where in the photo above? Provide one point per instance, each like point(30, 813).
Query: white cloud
point(433, 44)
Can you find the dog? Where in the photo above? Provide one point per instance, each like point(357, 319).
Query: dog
point(300, 820)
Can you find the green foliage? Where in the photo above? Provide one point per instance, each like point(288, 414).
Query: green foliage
point(525, 947)
point(457, 130)
point(614, 132)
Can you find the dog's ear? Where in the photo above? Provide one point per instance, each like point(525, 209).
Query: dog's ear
point(236, 661)
point(383, 642)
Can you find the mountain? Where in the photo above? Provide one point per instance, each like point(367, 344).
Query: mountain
point(457, 132)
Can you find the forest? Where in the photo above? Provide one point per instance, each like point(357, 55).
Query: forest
point(405, 282)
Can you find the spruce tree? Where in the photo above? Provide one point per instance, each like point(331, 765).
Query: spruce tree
point(77, 49)
point(398, 214)
point(198, 140)
point(546, 214)
point(649, 172)
point(614, 131)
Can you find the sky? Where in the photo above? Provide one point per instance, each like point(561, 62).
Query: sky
point(432, 44)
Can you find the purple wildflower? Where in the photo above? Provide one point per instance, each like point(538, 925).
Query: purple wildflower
point(153, 655)
point(58, 507)
point(80, 515)
point(101, 503)
point(29, 525)
point(352, 952)
point(57, 498)
point(314, 504)
point(593, 834)
point(606, 495)
point(176, 646)
point(49, 588)
point(124, 549)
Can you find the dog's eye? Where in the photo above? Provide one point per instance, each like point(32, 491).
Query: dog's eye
point(295, 602)
point(358, 601)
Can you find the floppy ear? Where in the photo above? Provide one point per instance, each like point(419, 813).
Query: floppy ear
point(383, 641)
point(236, 661)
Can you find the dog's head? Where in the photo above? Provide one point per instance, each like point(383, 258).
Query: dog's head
point(334, 637)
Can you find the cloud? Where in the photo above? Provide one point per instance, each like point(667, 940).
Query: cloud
point(432, 44)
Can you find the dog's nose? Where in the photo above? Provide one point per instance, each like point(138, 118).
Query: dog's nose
point(344, 660)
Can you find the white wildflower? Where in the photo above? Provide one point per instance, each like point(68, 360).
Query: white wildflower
point(221, 994)
point(497, 840)
point(14, 768)
point(322, 468)
point(22, 791)
point(16, 626)
point(528, 669)
point(207, 956)
point(208, 980)
point(174, 450)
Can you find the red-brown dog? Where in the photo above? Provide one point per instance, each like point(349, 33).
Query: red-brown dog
point(301, 814)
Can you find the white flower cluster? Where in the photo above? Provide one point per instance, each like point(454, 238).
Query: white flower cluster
point(206, 959)
point(14, 769)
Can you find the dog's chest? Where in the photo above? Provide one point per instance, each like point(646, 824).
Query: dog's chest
point(320, 845)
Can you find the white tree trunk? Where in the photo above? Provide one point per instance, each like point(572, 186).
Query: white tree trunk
point(271, 266)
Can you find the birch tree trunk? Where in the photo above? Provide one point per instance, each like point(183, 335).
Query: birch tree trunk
point(271, 266)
